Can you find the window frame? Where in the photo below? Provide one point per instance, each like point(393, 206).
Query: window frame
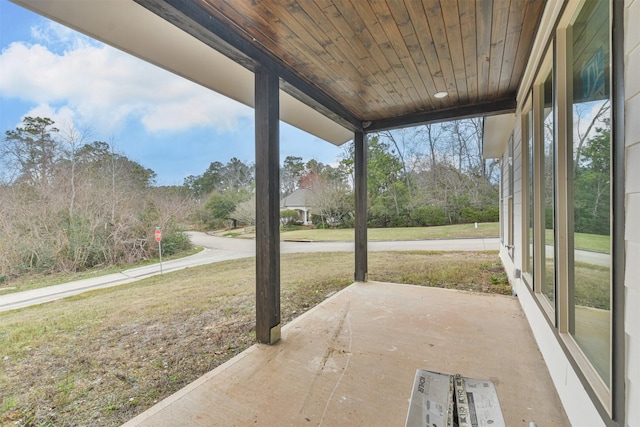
point(526, 144)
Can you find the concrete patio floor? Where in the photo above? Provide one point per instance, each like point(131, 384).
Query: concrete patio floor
point(351, 361)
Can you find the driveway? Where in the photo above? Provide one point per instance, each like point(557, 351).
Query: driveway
point(222, 249)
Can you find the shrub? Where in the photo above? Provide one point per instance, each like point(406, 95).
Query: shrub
point(289, 217)
point(490, 214)
point(174, 242)
point(469, 214)
point(428, 215)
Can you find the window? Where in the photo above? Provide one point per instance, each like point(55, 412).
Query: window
point(507, 195)
point(501, 192)
point(547, 282)
point(510, 236)
point(528, 209)
point(590, 186)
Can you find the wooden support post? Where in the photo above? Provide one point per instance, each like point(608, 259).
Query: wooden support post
point(267, 124)
point(361, 206)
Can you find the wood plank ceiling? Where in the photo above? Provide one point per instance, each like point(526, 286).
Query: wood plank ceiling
point(376, 62)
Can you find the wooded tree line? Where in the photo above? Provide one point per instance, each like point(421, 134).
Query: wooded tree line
point(68, 203)
point(432, 174)
point(224, 193)
point(428, 175)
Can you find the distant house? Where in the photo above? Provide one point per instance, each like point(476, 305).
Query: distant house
point(300, 201)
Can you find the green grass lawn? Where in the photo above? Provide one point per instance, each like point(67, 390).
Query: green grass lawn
point(458, 231)
point(592, 242)
point(592, 285)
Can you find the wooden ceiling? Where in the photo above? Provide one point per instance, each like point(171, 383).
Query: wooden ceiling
point(375, 64)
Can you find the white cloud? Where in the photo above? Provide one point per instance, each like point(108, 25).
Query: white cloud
point(68, 74)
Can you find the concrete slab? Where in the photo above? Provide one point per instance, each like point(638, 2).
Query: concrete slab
point(352, 359)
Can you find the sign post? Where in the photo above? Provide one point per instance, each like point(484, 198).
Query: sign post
point(159, 240)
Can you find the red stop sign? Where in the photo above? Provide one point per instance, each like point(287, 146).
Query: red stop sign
point(158, 235)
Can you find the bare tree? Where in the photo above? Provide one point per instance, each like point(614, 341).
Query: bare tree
point(404, 141)
point(72, 140)
point(245, 212)
point(330, 200)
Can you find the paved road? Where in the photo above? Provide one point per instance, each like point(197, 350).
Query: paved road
point(222, 249)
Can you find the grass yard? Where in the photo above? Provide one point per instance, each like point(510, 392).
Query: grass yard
point(102, 357)
point(592, 285)
point(489, 229)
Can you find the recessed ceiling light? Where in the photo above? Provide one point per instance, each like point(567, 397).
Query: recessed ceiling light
point(441, 95)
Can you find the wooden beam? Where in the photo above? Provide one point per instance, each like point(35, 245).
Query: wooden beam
point(485, 109)
point(267, 125)
point(361, 206)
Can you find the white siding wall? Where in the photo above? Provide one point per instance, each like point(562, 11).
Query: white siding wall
point(632, 231)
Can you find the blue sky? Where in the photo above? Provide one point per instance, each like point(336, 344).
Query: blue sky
point(160, 120)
